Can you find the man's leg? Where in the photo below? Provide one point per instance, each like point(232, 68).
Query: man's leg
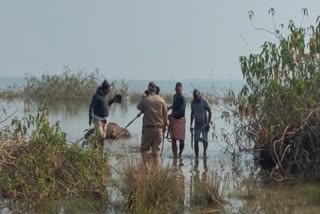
point(181, 147)
point(144, 147)
point(102, 129)
point(196, 148)
point(205, 146)
point(174, 148)
point(156, 147)
point(205, 142)
point(197, 132)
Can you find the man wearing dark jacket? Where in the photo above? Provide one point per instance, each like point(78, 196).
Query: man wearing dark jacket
point(99, 111)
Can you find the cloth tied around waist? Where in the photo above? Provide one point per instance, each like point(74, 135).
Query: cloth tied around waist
point(177, 128)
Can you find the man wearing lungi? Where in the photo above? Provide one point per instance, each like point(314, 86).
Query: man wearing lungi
point(201, 114)
point(154, 111)
point(177, 121)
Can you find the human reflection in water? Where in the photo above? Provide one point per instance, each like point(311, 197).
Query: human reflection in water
point(196, 180)
point(177, 163)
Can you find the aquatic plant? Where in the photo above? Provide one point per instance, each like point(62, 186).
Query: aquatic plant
point(37, 162)
point(10, 94)
point(69, 85)
point(211, 189)
point(278, 107)
point(144, 191)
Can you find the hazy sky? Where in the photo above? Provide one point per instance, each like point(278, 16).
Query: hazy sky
point(138, 39)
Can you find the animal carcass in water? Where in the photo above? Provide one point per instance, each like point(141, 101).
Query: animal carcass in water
point(113, 130)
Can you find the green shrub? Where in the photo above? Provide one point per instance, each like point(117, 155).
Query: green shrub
point(37, 162)
point(278, 106)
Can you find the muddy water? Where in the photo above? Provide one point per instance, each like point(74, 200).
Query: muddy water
point(73, 117)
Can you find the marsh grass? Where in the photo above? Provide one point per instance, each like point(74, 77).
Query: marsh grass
point(150, 191)
point(10, 94)
point(212, 189)
point(247, 187)
point(69, 85)
point(36, 162)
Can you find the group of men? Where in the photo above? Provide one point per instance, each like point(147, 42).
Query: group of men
point(156, 119)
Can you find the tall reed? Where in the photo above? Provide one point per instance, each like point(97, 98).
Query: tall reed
point(158, 191)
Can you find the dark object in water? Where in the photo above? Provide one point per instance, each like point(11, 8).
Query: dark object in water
point(112, 130)
point(118, 98)
point(88, 133)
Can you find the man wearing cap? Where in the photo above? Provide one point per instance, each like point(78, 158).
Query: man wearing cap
point(201, 114)
point(99, 111)
point(154, 124)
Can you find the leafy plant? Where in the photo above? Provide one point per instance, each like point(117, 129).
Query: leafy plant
point(279, 104)
point(37, 162)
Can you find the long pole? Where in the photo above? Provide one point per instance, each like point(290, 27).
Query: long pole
point(127, 125)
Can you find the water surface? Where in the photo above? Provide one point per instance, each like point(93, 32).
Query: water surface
point(270, 198)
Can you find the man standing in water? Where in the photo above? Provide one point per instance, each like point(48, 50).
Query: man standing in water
point(154, 125)
point(199, 109)
point(177, 121)
point(99, 111)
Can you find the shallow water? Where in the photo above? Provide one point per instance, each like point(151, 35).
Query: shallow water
point(300, 198)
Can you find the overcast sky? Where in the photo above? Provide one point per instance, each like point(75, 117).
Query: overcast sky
point(138, 39)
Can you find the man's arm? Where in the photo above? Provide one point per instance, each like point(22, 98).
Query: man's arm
point(91, 109)
point(165, 116)
point(191, 117)
point(207, 107)
point(110, 102)
point(140, 105)
point(165, 113)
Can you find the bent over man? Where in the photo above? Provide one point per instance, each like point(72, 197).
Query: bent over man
point(154, 125)
point(99, 111)
point(199, 110)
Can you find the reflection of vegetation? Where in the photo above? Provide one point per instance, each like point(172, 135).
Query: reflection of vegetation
point(74, 206)
point(281, 199)
point(211, 189)
point(279, 104)
point(37, 162)
point(149, 192)
point(247, 188)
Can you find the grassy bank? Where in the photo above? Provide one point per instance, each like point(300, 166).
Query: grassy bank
point(37, 162)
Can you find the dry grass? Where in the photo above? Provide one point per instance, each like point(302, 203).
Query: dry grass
point(212, 189)
point(10, 94)
point(150, 192)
